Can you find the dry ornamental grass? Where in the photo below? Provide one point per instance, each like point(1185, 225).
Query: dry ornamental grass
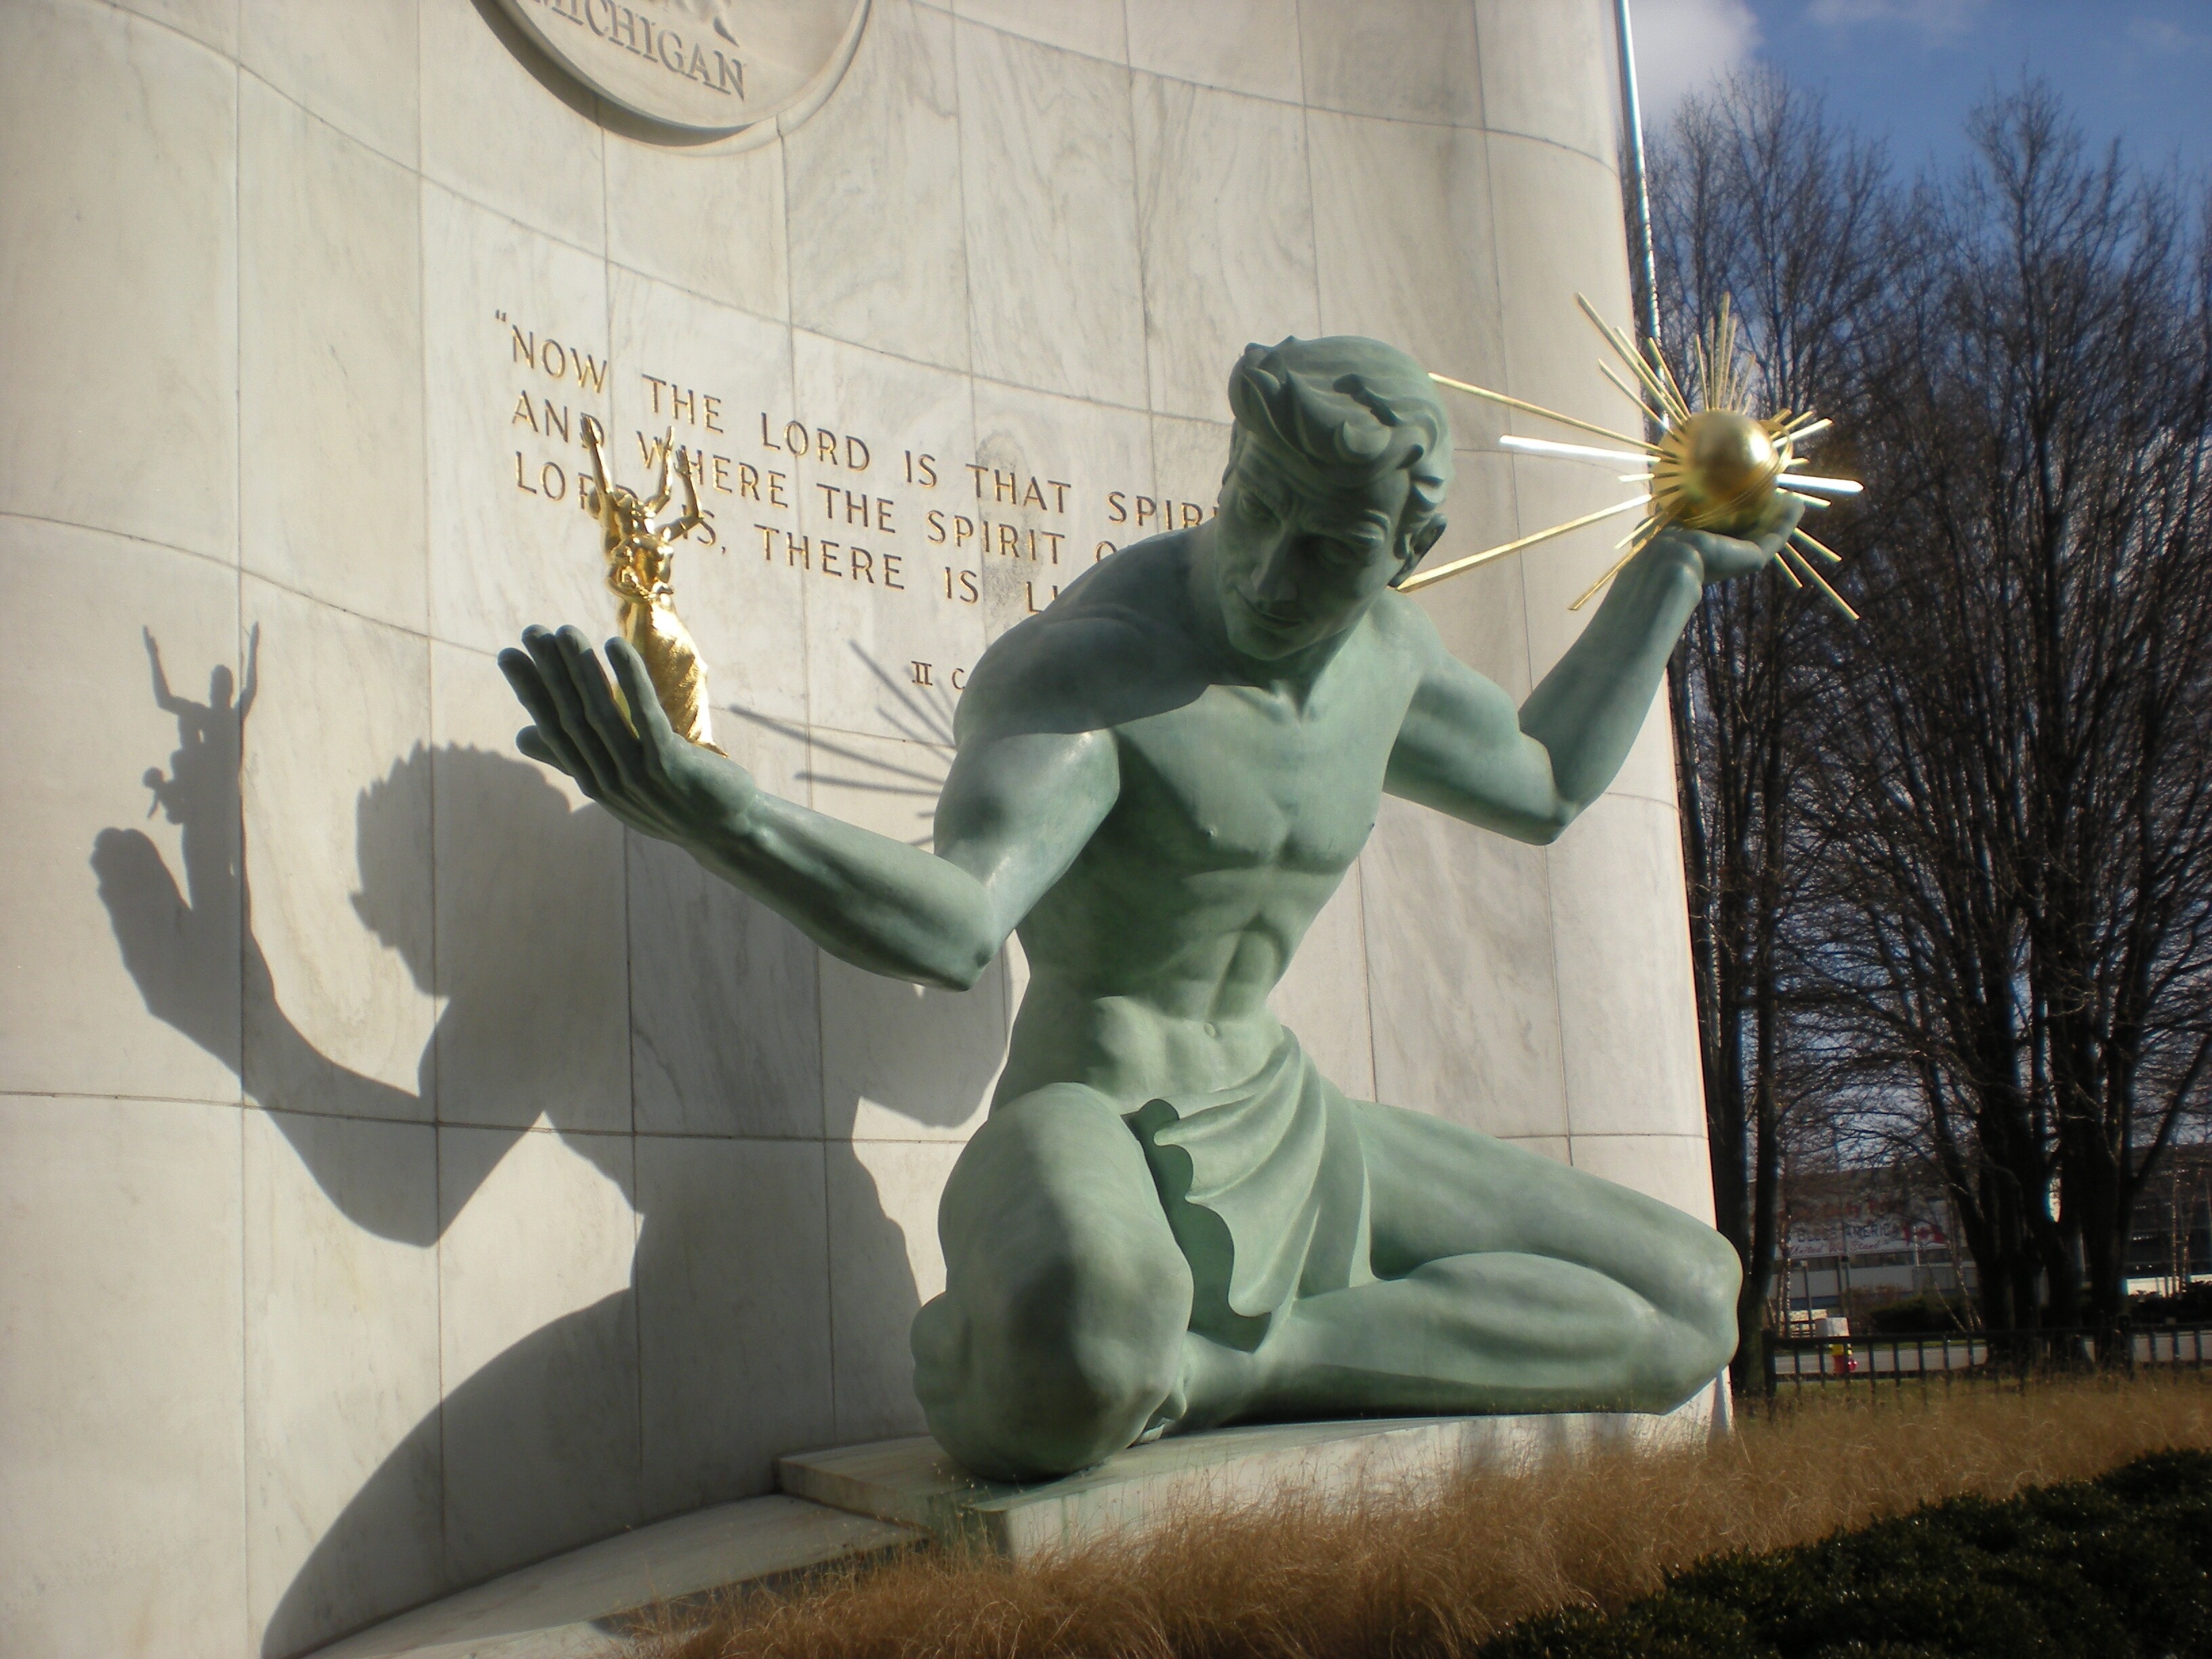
point(1302, 1580)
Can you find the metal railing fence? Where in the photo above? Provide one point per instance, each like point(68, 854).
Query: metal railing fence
point(1968, 1358)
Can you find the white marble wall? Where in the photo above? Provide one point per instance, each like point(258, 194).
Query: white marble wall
point(402, 1173)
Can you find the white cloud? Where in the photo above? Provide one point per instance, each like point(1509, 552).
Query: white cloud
point(1935, 19)
point(1683, 46)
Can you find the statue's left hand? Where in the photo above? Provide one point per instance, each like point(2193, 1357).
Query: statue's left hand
point(1725, 557)
point(644, 773)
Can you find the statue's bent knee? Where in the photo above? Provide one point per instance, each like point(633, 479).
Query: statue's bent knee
point(1698, 1336)
point(1061, 1329)
point(1050, 1368)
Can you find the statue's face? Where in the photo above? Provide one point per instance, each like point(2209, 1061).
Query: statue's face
point(1298, 558)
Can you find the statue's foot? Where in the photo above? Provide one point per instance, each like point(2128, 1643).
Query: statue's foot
point(1215, 1385)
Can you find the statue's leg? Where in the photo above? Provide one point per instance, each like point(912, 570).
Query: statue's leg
point(1506, 1282)
point(1065, 1298)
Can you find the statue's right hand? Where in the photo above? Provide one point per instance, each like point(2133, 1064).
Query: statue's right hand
point(645, 774)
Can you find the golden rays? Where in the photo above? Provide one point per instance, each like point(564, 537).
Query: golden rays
point(1715, 468)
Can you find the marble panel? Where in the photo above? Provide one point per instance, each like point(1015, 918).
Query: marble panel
point(1481, 615)
point(733, 1315)
point(515, 340)
point(341, 1369)
point(354, 66)
point(1554, 1147)
point(717, 379)
point(530, 922)
point(899, 1062)
point(1226, 217)
point(1096, 461)
point(1412, 60)
point(1549, 72)
point(1558, 234)
point(1048, 177)
point(211, 22)
point(884, 1263)
point(134, 988)
point(118, 304)
point(336, 793)
point(711, 224)
point(888, 584)
point(1189, 457)
point(1460, 966)
point(1323, 997)
point(539, 1339)
point(504, 128)
point(1093, 28)
point(121, 1528)
point(725, 1034)
point(1555, 573)
point(1672, 1168)
point(1648, 774)
point(330, 365)
point(1239, 45)
point(1402, 225)
point(884, 157)
point(1626, 1004)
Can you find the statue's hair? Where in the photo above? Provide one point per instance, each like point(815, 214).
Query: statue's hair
point(1349, 409)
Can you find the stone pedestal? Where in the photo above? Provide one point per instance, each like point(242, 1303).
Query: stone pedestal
point(913, 1483)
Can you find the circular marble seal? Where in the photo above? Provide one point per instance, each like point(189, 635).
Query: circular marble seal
point(702, 66)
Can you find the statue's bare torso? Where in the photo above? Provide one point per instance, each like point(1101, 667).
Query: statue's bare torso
point(1238, 813)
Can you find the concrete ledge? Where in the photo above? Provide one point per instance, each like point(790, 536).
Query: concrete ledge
point(575, 1605)
point(913, 1483)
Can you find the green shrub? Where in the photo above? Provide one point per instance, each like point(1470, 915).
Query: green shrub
point(2115, 1568)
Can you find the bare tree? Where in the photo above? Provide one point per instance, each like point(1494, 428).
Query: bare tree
point(2014, 800)
point(1759, 201)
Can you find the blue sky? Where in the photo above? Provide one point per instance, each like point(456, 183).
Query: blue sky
point(2137, 70)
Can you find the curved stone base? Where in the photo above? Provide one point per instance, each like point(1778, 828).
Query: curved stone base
point(913, 1483)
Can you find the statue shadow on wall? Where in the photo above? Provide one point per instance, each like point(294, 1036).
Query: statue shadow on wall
point(375, 1559)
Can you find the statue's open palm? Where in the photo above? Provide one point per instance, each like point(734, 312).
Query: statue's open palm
point(636, 766)
point(1726, 557)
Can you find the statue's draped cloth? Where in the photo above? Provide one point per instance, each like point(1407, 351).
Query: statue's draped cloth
point(1265, 1185)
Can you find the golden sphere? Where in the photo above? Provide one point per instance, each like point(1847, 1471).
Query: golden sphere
point(1729, 466)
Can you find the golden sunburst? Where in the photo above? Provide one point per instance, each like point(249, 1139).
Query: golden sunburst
point(1715, 467)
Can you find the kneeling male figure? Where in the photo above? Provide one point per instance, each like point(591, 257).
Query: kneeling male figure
point(1171, 1219)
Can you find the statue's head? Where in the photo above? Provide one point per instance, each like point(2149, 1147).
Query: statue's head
point(1337, 474)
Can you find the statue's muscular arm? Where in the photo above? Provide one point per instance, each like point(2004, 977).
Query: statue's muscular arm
point(1465, 749)
point(1019, 806)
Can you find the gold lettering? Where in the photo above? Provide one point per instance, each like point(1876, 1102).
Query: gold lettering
point(852, 446)
point(1059, 495)
point(559, 419)
point(523, 413)
point(863, 563)
point(713, 412)
point(518, 483)
point(1117, 507)
point(959, 680)
point(591, 373)
point(891, 563)
point(920, 672)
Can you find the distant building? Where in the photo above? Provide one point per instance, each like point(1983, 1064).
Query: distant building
point(1855, 1239)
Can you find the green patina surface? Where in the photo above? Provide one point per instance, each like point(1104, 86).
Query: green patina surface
point(1171, 1219)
